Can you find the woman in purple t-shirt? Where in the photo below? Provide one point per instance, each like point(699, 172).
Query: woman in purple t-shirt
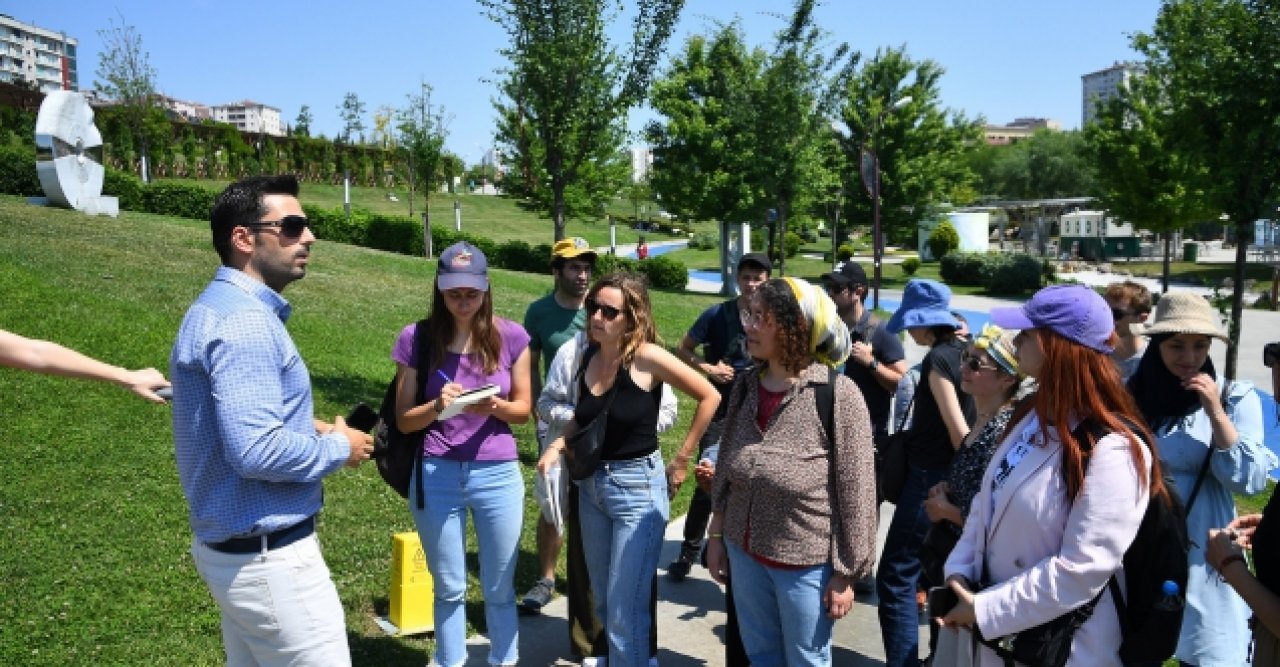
point(469, 460)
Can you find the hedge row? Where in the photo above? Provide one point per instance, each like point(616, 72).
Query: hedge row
point(371, 230)
point(998, 273)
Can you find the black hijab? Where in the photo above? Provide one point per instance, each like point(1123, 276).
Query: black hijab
point(1158, 392)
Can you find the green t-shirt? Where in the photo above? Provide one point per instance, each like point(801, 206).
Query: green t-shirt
point(551, 325)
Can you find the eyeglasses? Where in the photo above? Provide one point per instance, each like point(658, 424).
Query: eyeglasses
point(974, 363)
point(291, 226)
point(1118, 314)
point(749, 319)
point(609, 312)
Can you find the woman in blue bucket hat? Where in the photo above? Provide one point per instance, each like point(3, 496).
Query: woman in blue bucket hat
point(942, 415)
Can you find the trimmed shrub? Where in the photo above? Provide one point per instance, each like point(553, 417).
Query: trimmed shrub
point(910, 265)
point(704, 241)
point(18, 172)
point(124, 186)
point(792, 243)
point(845, 252)
point(180, 200)
point(664, 273)
point(962, 268)
point(520, 256)
point(1012, 274)
point(943, 240)
point(388, 232)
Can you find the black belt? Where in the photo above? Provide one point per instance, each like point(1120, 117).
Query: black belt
point(275, 540)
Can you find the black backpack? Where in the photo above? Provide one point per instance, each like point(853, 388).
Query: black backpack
point(1151, 620)
point(398, 454)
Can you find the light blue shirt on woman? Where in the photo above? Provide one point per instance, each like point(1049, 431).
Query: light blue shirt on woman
point(1215, 625)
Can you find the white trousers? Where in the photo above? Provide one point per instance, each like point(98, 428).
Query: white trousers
point(278, 608)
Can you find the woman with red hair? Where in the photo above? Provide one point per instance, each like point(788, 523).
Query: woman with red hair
point(1055, 514)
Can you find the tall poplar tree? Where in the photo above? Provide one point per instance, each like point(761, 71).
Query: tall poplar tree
point(568, 89)
point(125, 75)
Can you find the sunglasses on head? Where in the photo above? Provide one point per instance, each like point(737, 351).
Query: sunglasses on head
point(974, 363)
point(291, 226)
point(610, 313)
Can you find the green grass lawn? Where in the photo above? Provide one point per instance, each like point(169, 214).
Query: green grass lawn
point(96, 566)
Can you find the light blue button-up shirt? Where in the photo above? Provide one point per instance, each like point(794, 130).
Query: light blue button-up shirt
point(248, 455)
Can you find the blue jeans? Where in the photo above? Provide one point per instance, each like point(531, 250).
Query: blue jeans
point(780, 612)
point(900, 569)
point(494, 493)
point(623, 510)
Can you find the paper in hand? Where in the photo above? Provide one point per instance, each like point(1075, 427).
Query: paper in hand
point(468, 397)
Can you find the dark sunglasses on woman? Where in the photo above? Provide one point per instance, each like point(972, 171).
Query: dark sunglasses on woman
point(610, 313)
point(975, 363)
point(291, 226)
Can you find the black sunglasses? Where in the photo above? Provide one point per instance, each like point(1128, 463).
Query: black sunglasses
point(291, 226)
point(974, 363)
point(1117, 314)
point(610, 313)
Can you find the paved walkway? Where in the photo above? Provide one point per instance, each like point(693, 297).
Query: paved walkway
point(691, 622)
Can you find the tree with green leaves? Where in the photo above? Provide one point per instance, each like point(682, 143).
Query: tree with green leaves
point(1048, 164)
point(922, 147)
point(351, 111)
point(1142, 175)
point(422, 127)
point(705, 143)
point(125, 76)
point(567, 90)
point(1216, 61)
point(801, 89)
point(302, 124)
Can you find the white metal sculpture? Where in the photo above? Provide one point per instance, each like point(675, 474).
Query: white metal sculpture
point(68, 172)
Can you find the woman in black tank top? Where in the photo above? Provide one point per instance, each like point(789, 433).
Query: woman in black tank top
point(623, 506)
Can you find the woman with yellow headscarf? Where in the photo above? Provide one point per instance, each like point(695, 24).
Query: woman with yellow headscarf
point(794, 507)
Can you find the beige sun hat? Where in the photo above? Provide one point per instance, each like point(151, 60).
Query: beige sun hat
point(1183, 313)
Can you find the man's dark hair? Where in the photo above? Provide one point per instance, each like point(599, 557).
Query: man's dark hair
point(557, 263)
point(241, 204)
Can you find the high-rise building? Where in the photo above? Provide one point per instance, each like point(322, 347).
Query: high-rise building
point(37, 56)
point(1103, 85)
point(250, 116)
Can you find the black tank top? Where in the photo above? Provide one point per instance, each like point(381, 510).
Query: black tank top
point(632, 431)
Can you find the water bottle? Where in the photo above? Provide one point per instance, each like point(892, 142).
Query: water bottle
point(1169, 600)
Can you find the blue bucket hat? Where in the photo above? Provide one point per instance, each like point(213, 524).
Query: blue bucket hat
point(925, 303)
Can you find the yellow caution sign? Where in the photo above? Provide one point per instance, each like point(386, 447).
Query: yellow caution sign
point(412, 609)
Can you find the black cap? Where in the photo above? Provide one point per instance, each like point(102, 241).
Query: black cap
point(759, 259)
point(850, 273)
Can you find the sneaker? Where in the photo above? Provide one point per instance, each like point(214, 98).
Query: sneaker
point(679, 568)
point(595, 662)
point(538, 596)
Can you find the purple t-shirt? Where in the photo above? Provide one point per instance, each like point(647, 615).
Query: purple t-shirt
point(468, 437)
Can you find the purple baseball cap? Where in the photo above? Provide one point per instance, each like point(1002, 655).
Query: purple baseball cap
point(463, 265)
point(1074, 312)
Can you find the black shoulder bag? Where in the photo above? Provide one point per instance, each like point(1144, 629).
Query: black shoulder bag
point(583, 448)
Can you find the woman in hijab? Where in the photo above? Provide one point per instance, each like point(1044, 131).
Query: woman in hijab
point(1210, 440)
point(794, 508)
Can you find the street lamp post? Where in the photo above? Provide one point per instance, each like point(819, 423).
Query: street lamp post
point(870, 169)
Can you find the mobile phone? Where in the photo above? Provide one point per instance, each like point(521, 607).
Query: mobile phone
point(165, 392)
point(362, 418)
point(941, 600)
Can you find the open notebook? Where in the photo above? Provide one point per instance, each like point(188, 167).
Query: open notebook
point(468, 397)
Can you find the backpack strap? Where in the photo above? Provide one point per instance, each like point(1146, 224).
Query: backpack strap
point(421, 352)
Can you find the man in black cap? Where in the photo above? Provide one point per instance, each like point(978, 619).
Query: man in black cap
point(718, 331)
point(877, 361)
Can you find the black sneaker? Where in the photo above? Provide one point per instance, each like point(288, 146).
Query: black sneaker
point(679, 568)
point(538, 596)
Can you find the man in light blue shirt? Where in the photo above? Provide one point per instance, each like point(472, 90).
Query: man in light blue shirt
point(250, 456)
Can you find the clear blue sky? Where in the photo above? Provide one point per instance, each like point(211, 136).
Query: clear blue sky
point(1003, 58)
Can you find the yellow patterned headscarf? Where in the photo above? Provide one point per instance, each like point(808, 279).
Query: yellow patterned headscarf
point(998, 344)
point(828, 334)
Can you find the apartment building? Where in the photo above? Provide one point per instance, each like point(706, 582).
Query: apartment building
point(1103, 85)
point(192, 112)
point(250, 116)
point(38, 56)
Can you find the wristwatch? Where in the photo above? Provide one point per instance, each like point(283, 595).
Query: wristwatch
point(875, 363)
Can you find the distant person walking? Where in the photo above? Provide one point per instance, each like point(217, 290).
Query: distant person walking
point(48, 358)
point(642, 249)
point(469, 463)
point(250, 456)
